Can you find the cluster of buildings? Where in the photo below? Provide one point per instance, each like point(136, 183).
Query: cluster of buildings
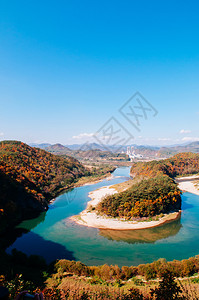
point(131, 153)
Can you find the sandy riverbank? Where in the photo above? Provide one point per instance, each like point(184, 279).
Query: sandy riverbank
point(188, 184)
point(108, 178)
point(91, 219)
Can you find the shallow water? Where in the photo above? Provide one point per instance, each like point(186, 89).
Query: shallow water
point(53, 235)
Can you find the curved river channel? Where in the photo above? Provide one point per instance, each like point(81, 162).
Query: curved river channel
point(53, 236)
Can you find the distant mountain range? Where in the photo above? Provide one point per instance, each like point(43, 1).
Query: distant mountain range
point(86, 152)
point(41, 146)
point(58, 149)
point(169, 151)
point(150, 151)
point(90, 146)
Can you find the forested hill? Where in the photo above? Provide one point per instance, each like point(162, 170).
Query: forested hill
point(155, 191)
point(30, 177)
point(146, 198)
point(179, 164)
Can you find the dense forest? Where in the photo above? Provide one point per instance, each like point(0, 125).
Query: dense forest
point(179, 164)
point(146, 198)
point(155, 191)
point(30, 177)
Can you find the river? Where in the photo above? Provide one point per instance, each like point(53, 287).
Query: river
point(54, 236)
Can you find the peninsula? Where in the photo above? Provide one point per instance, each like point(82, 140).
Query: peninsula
point(90, 218)
point(154, 198)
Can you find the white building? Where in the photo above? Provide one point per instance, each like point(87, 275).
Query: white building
point(131, 153)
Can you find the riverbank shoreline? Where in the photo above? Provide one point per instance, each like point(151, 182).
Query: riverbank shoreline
point(89, 218)
point(92, 181)
point(109, 176)
point(187, 184)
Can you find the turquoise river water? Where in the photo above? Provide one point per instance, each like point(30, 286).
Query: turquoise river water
point(53, 235)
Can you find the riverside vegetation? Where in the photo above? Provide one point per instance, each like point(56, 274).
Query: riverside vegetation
point(154, 192)
point(32, 173)
point(31, 177)
point(65, 279)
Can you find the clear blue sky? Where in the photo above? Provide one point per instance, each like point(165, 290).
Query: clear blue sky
point(66, 67)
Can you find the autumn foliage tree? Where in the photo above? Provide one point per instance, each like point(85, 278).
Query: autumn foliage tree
point(147, 198)
point(156, 191)
point(180, 164)
point(30, 177)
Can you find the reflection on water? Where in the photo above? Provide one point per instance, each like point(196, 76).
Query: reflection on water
point(31, 224)
point(149, 235)
point(35, 244)
point(53, 235)
point(65, 199)
point(25, 227)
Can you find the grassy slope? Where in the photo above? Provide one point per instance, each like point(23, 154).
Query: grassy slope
point(110, 282)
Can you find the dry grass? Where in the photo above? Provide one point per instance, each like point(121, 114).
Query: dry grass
point(120, 187)
point(81, 287)
point(190, 289)
point(76, 288)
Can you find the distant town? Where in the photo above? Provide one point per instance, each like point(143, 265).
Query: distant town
point(131, 153)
